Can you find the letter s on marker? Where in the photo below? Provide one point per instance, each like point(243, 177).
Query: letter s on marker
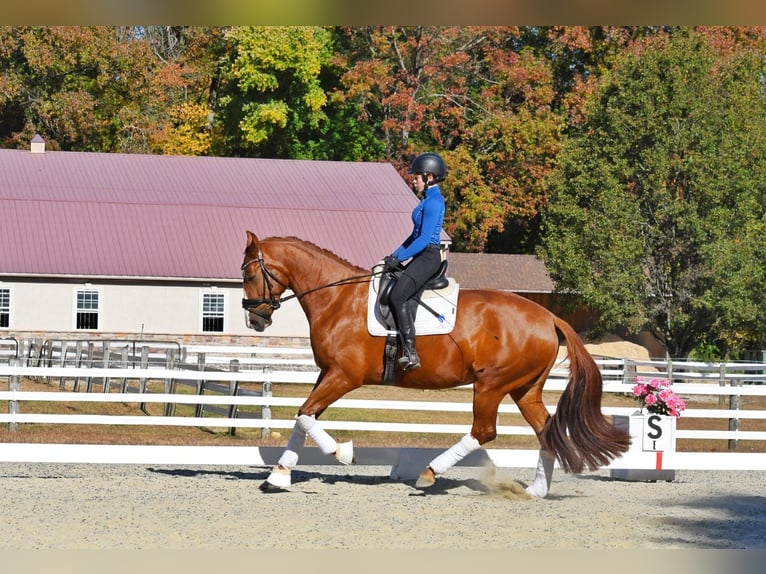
point(652, 422)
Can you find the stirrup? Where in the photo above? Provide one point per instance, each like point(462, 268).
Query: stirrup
point(409, 361)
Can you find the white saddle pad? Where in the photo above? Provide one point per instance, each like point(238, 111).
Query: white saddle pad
point(442, 301)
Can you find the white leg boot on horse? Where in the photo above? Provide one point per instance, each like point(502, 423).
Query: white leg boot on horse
point(447, 460)
point(543, 475)
point(344, 452)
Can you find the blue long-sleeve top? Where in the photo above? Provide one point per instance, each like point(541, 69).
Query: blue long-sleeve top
point(427, 219)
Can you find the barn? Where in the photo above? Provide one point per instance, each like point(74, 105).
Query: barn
point(141, 246)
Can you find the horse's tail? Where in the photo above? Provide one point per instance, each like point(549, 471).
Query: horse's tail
point(578, 433)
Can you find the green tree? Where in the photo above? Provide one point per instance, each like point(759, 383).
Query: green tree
point(657, 207)
point(272, 98)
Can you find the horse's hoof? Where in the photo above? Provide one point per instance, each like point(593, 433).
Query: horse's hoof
point(426, 479)
point(279, 480)
point(269, 488)
point(345, 453)
point(533, 492)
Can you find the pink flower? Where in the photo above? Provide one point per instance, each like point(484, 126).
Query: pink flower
point(658, 397)
point(655, 384)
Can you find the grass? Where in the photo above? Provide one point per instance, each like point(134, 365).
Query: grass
point(204, 436)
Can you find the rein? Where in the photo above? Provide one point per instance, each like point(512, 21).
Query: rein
point(275, 303)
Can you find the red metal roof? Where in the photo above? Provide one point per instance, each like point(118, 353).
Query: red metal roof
point(125, 215)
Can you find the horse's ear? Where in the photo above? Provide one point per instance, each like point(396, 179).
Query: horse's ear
point(252, 240)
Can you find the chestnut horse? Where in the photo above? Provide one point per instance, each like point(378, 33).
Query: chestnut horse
point(502, 343)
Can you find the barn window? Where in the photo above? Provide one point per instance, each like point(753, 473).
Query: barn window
point(5, 308)
point(212, 312)
point(87, 309)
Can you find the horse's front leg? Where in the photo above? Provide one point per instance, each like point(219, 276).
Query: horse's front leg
point(280, 478)
point(329, 388)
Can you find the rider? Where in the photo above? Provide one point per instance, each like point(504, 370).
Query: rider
point(422, 247)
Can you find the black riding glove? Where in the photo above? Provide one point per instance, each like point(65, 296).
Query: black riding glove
point(391, 263)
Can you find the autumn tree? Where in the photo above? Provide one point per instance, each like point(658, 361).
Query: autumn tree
point(657, 208)
point(90, 89)
point(496, 101)
point(513, 144)
point(184, 87)
point(470, 93)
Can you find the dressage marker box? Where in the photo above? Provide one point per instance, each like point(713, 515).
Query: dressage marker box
point(652, 436)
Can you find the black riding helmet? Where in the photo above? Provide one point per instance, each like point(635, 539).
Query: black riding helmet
point(429, 162)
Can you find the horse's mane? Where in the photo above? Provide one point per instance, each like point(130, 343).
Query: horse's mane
point(320, 250)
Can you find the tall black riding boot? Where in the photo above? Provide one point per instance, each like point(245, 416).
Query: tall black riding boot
point(409, 359)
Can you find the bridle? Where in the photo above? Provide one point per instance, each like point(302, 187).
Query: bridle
point(252, 304)
point(271, 301)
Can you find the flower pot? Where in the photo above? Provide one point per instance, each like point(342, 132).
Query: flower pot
point(652, 436)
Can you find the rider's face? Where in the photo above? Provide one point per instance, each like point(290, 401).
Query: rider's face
point(418, 182)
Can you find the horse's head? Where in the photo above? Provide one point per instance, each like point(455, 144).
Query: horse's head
point(262, 287)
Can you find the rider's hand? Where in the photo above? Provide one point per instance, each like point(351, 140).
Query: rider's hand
point(391, 263)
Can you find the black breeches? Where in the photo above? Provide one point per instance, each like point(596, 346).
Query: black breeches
point(422, 267)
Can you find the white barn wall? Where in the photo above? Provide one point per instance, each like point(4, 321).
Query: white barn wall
point(143, 309)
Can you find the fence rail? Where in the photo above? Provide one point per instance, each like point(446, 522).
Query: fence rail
point(222, 371)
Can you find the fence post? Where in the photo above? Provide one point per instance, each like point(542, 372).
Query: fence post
point(200, 384)
point(142, 380)
point(735, 402)
point(628, 373)
point(62, 363)
point(89, 360)
point(124, 358)
point(78, 352)
point(13, 386)
point(46, 357)
point(233, 387)
point(170, 385)
point(105, 363)
point(266, 409)
point(721, 383)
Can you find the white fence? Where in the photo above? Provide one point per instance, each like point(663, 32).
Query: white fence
point(222, 369)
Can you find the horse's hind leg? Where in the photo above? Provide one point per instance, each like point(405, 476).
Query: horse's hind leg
point(483, 430)
point(447, 460)
point(530, 403)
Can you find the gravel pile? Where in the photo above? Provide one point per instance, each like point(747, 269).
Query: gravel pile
point(53, 506)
